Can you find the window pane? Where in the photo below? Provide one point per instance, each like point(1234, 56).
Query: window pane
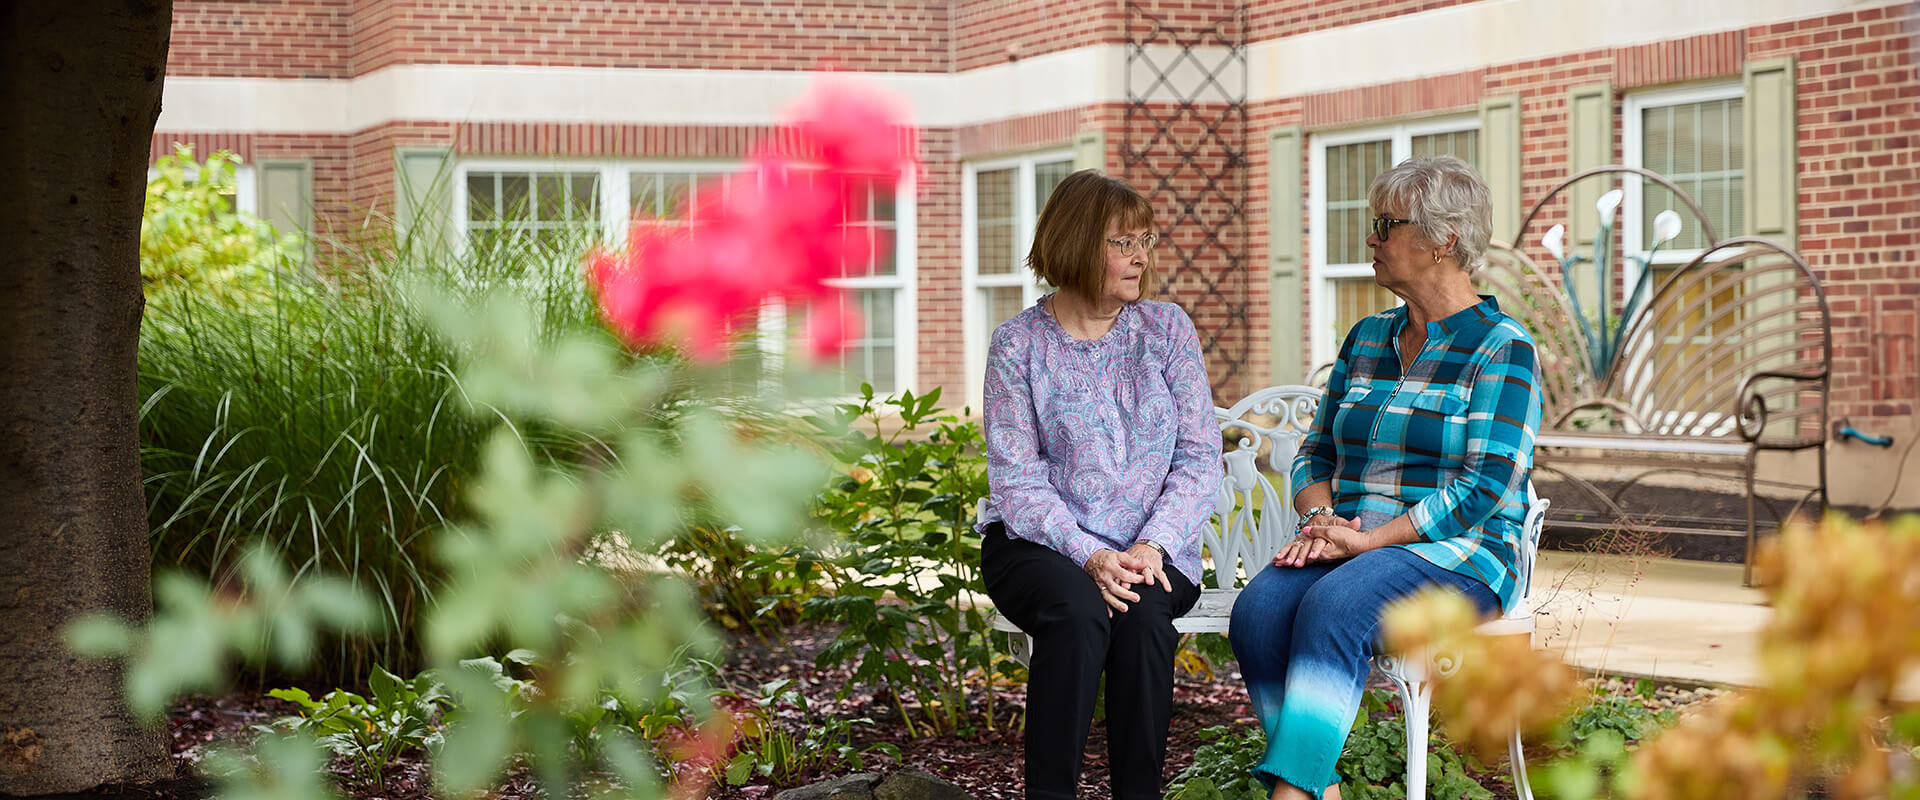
point(993, 213)
point(1047, 175)
point(1699, 147)
point(1355, 299)
point(513, 196)
point(586, 197)
point(1464, 145)
point(1350, 170)
point(481, 200)
point(1002, 303)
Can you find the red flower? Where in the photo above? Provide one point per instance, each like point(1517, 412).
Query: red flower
point(773, 232)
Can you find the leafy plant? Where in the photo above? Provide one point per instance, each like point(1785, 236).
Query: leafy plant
point(369, 732)
point(1374, 763)
point(787, 753)
point(745, 587)
point(910, 558)
point(1626, 716)
point(1222, 768)
point(195, 243)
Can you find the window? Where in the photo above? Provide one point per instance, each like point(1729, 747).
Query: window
point(553, 208)
point(1000, 203)
point(1343, 166)
point(244, 195)
point(1696, 137)
point(564, 205)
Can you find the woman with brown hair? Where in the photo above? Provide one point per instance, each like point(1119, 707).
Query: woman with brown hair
point(1103, 459)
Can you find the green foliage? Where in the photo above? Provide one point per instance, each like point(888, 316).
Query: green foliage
point(186, 649)
point(1221, 768)
point(789, 755)
point(369, 732)
point(910, 557)
point(1628, 717)
point(194, 243)
point(745, 587)
point(332, 422)
point(643, 453)
point(1374, 764)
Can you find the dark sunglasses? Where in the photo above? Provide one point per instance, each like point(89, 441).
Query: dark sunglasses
point(1381, 225)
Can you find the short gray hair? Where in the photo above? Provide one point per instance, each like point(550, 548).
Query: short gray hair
point(1443, 196)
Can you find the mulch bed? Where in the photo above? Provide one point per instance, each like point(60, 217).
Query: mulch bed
point(987, 765)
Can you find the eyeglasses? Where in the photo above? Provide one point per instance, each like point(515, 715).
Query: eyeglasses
point(1126, 244)
point(1381, 225)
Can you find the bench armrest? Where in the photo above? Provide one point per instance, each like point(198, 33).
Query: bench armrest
point(1750, 415)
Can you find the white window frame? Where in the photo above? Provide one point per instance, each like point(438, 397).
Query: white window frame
point(1632, 238)
point(1322, 346)
point(975, 332)
point(616, 195)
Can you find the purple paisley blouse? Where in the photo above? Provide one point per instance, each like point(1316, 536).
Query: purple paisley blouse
point(1102, 443)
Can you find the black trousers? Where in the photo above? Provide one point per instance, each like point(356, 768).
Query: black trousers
point(1073, 642)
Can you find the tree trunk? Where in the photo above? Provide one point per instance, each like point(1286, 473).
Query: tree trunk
point(79, 94)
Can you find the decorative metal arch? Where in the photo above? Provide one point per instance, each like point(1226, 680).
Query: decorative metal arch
point(1185, 147)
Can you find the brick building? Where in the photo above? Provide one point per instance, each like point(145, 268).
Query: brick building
point(1255, 126)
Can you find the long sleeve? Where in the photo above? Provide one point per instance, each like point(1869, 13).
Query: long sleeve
point(1503, 416)
point(1187, 496)
point(1016, 468)
point(1318, 455)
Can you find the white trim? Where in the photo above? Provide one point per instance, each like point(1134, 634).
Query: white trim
point(1634, 104)
point(1320, 344)
point(1476, 35)
point(1026, 212)
point(615, 198)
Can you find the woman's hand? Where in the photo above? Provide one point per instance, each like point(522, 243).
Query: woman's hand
point(1331, 542)
point(1152, 564)
point(1115, 573)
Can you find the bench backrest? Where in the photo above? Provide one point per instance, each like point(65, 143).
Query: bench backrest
point(1735, 344)
point(1254, 509)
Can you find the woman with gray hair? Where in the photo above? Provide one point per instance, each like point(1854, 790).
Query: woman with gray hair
point(1414, 474)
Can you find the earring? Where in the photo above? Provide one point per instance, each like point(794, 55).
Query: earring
point(1436, 258)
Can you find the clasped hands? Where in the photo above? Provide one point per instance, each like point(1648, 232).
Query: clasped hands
point(1326, 537)
point(1116, 573)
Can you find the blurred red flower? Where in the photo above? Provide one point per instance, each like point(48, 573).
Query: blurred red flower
point(777, 231)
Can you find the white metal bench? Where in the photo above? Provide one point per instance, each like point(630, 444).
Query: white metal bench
point(1254, 519)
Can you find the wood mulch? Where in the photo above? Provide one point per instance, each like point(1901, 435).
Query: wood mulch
point(987, 764)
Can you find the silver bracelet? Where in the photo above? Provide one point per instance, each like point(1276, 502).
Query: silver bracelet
point(1156, 545)
point(1309, 514)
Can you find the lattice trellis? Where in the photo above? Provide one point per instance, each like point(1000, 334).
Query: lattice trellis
point(1185, 146)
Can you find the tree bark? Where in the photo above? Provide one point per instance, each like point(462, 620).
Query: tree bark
point(79, 94)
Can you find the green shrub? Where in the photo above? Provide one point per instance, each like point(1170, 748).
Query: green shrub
point(369, 732)
point(909, 559)
point(195, 243)
point(325, 419)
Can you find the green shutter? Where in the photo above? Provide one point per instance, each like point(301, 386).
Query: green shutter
point(1090, 151)
point(1286, 285)
point(1772, 159)
point(423, 193)
point(1589, 145)
point(286, 196)
point(1500, 161)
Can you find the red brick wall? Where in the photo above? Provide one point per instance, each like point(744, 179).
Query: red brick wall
point(261, 38)
point(1859, 208)
point(880, 35)
point(988, 32)
point(941, 339)
point(1293, 17)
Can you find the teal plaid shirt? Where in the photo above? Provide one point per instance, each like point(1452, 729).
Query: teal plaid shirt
point(1446, 440)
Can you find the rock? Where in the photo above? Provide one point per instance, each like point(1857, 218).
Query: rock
point(858, 786)
point(913, 784)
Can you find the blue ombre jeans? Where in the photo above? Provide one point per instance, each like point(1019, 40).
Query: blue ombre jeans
point(1304, 636)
